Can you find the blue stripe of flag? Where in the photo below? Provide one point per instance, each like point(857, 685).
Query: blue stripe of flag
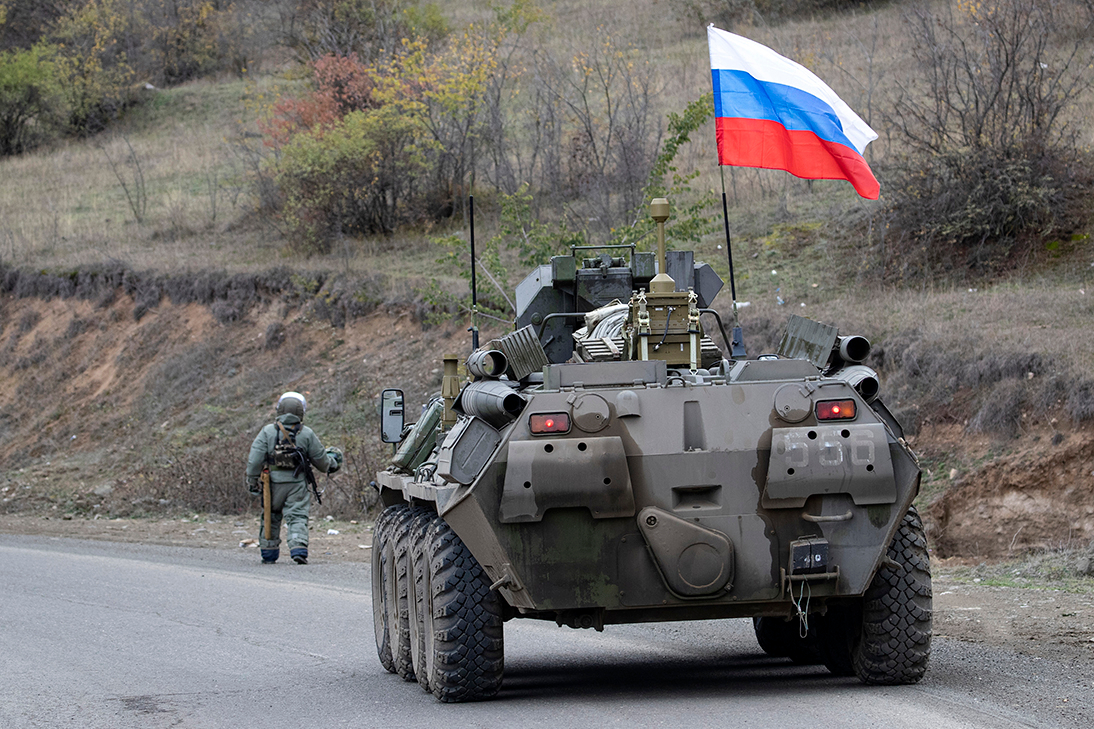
point(738, 94)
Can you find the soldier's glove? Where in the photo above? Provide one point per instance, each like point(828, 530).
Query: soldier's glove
point(253, 486)
point(336, 454)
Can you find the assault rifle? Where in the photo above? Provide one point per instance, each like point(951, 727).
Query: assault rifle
point(303, 464)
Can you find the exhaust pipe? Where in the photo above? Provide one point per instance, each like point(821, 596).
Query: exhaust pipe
point(863, 379)
point(487, 364)
point(493, 401)
point(853, 349)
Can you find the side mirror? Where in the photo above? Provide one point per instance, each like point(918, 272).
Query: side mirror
point(391, 416)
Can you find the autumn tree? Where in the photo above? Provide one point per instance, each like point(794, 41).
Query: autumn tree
point(416, 119)
point(91, 55)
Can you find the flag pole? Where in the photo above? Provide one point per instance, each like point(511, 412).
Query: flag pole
point(738, 345)
point(729, 246)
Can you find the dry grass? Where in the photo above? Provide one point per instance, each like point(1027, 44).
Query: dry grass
point(1069, 569)
point(66, 206)
point(1000, 361)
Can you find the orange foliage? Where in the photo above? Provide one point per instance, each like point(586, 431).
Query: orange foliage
point(346, 82)
point(343, 84)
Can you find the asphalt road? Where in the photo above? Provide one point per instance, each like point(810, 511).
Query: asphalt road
point(95, 634)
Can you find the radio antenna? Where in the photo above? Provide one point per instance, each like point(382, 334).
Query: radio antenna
point(474, 328)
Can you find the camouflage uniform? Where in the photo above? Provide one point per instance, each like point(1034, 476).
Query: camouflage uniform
point(290, 498)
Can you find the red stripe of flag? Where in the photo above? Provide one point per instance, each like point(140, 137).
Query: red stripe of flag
point(768, 144)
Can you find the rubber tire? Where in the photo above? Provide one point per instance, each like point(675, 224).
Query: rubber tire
point(396, 589)
point(897, 611)
point(782, 639)
point(379, 603)
point(464, 646)
point(417, 598)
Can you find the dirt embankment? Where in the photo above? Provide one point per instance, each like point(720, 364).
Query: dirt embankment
point(104, 412)
point(1037, 496)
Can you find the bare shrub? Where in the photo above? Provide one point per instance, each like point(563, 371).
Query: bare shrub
point(132, 184)
point(42, 285)
point(1080, 402)
point(76, 327)
point(181, 379)
point(369, 28)
point(39, 352)
point(191, 477)
point(255, 162)
point(1002, 410)
point(729, 14)
point(601, 103)
point(355, 482)
point(993, 151)
point(225, 312)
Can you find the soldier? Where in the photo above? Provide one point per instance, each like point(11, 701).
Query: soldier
point(279, 467)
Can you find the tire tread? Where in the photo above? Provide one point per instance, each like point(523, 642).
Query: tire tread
point(897, 612)
point(468, 639)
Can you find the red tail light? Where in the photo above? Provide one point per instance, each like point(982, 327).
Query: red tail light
point(836, 410)
point(549, 423)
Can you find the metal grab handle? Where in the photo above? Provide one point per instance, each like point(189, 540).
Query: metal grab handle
point(573, 249)
point(725, 337)
point(558, 315)
point(817, 519)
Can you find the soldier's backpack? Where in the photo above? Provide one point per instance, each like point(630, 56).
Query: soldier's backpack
point(286, 454)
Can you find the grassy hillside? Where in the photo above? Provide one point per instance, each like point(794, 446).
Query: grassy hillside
point(196, 145)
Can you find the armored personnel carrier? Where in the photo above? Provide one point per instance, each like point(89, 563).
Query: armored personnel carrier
point(608, 463)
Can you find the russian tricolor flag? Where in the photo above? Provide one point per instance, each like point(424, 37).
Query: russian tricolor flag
point(771, 112)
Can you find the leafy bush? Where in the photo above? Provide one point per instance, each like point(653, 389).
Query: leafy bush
point(342, 84)
point(82, 63)
point(353, 177)
point(28, 98)
point(376, 146)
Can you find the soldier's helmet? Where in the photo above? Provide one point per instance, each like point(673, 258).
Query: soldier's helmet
point(292, 402)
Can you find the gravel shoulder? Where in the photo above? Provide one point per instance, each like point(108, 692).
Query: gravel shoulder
point(1048, 621)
